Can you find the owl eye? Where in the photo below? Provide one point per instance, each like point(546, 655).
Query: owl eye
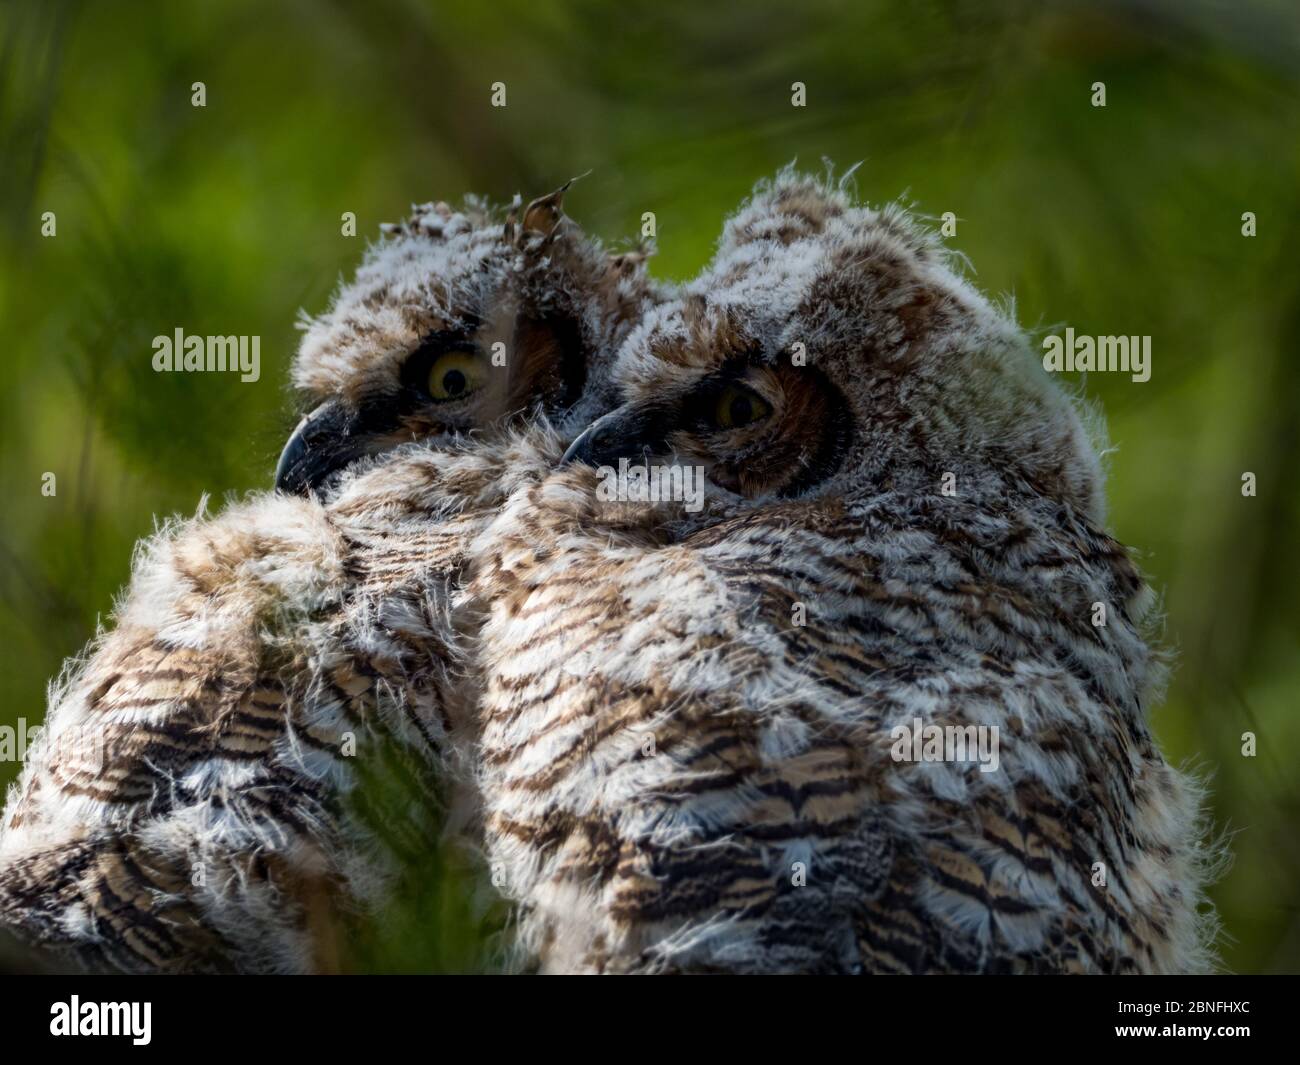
point(738, 406)
point(455, 375)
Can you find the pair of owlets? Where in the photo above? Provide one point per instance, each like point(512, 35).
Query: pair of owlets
point(675, 731)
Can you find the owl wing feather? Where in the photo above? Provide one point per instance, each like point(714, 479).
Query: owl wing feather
point(188, 806)
point(169, 776)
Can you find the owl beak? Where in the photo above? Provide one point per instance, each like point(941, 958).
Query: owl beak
point(631, 431)
point(324, 441)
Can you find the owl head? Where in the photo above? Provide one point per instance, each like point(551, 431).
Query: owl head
point(830, 347)
point(456, 321)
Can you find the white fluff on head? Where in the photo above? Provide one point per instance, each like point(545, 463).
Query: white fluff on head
point(876, 299)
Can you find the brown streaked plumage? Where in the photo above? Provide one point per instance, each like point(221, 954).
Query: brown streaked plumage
point(188, 807)
point(689, 746)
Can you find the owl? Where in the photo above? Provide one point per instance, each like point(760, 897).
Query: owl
point(879, 704)
point(187, 809)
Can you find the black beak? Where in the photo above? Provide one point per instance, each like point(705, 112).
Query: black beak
point(324, 441)
point(632, 432)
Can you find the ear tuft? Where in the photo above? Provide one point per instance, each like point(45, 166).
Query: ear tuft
point(631, 263)
point(544, 215)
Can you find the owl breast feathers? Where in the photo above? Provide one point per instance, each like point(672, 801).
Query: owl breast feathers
point(676, 728)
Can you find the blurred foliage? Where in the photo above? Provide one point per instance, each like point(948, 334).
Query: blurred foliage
point(226, 219)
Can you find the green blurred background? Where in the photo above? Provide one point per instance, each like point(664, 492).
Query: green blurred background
point(226, 219)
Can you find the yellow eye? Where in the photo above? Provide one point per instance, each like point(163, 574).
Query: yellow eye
point(738, 406)
point(454, 375)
